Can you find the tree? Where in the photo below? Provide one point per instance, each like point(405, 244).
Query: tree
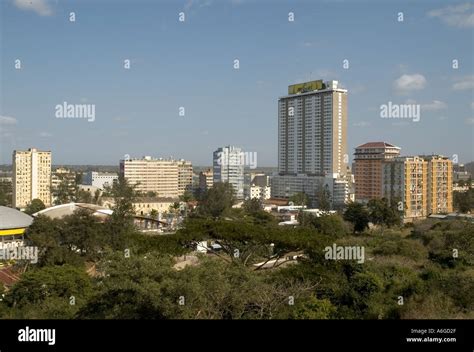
point(78, 178)
point(331, 225)
point(253, 205)
point(381, 212)
point(120, 223)
point(35, 206)
point(48, 292)
point(217, 200)
point(464, 201)
point(154, 214)
point(186, 197)
point(358, 215)
point(63, 193)
point(97, 195)
point(5, 193)
point(324, 198)
point(299, 199)
point(83, 196)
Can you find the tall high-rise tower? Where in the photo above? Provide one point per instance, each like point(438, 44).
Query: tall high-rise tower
point(312, 125)
point(31, 177)
point(312, 147)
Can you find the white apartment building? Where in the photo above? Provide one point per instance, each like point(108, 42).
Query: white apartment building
point(228, 166)
point(99, 179)
point(31, 177)
point(312, 147)
point(260, 192)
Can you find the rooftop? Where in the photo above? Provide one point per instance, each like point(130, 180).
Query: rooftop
point(12, 219)
point(377, 145)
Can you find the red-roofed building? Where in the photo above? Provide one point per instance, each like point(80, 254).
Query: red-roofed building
point(8, 277)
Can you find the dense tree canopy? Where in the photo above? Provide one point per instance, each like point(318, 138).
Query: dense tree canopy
point(254, 269)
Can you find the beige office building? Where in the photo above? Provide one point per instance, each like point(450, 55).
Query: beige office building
point(166, 177)
point(185, 176)
point(423, 184)
point(31, 177)
point(440, 184)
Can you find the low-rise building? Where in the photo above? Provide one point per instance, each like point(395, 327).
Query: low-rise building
point(145, 205)
point(99, 180)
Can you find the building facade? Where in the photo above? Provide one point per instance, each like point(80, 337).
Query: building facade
point(185, 176)
point(206, 180)
point(99, 179)
point(31, 177)
point(228, 166)
point(312, 147)
point(367, 169)
point(440, 184)
point(166, 177)
point(422, 185)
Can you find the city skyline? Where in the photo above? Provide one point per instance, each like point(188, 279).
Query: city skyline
point(137, 110)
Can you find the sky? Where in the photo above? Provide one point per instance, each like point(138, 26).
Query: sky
point(403, 52)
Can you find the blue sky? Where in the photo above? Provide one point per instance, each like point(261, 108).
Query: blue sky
point(191, 64)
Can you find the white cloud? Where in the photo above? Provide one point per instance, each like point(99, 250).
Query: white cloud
point(461, 16)
point(435, 105)
point(7, 120)
point(45, 134)
point(464, 83)
point(41, 7)
point(470, 121)
point(407, 83)
point(472, 105)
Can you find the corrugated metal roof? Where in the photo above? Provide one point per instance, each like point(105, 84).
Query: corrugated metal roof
point(11, 219)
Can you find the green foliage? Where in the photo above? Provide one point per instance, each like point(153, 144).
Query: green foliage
point(464, 201)
point(63, 193)
point(5, 193)
point(187, 196)
point(120, 223)
point(314, 308)
point(83, 196)
point(300, 199)
point(35, 206)
point(48, 293)
point(381, 212)
point(324, 198)
point(358, 215)
point(160, 277)
point(331, 225)
point(217, 201)
point(254, 211)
